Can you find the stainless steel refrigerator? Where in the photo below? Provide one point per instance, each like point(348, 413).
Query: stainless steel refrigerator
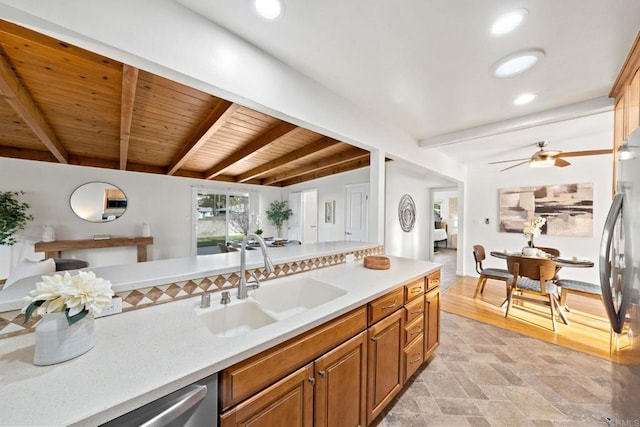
point(620, 282)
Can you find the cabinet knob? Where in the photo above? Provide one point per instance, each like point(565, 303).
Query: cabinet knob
point(375, 339)
point(312, 380)
point(321, 373)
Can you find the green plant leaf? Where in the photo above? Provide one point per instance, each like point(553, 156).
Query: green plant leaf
point(13, 216)
point(30, 309)
point(75, 318)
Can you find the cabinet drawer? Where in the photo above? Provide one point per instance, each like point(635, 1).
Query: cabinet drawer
point(414, 330)
point(413, 357)
point(413, 309)
point(255, 373)
point(386, 305)
point(414, 289)
point(433, 280)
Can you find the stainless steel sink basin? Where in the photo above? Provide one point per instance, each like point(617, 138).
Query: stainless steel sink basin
point(288, 296)
point(235, 318)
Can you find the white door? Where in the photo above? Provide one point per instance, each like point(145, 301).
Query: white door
point(356, 215)
point(310, 216)
point(294, 223)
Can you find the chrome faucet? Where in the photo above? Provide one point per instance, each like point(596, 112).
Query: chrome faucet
point(243, 287)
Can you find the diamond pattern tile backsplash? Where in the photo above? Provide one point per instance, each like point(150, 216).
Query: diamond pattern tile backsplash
point(11, 322)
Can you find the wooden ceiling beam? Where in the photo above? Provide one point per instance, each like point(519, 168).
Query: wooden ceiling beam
point(344, 167)
point(129, 84)
point(313, 148)
point(273, 135)
point(18, 97)
point(349, 155)
point(218, 116)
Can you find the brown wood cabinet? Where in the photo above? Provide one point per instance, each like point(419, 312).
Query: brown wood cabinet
point(626, 91)
point(341, 373)
point(288, 402)
point(340, 394)
point(385, 361)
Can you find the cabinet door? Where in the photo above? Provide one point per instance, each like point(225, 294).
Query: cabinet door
point(432, 321)
point(289, 402)
point(341, 385)
point(384, 370)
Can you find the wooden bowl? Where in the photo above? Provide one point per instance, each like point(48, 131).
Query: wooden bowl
point(377, 262)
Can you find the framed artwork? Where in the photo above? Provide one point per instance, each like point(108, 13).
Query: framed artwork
point(407, 213)
point(568, 209)
point(330, 212)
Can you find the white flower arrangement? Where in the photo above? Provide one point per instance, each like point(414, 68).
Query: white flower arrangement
point(534, 227)
point(75, 295)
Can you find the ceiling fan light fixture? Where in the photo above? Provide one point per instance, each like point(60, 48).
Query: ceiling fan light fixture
point(508, 21)
point(524, 98)
point(268, 9)
point(543, 162)
point(516, 63)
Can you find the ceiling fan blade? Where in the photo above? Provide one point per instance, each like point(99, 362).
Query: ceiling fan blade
point(517, 164)
point(561, 162)
point(584, 153)
point(507, 161)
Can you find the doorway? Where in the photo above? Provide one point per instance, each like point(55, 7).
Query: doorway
point(357, 212)
point(303, 223)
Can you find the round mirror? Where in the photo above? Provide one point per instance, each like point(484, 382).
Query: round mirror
point(98, 202)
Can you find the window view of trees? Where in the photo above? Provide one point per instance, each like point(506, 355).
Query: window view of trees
point(221, 218)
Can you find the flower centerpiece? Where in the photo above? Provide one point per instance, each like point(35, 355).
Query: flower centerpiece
point(76, 296)
point(67, 305)
point(533, 228)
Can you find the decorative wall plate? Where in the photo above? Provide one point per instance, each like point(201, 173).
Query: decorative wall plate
point(407, 213)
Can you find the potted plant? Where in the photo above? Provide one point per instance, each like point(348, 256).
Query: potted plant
point(13, 216)
point(277, 214)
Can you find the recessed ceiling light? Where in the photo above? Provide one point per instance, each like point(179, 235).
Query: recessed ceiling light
point(517, 63)
point(525, 98)
point(508, 21)
point(269, 9)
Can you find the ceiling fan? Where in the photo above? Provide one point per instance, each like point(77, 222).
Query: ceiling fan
point(546, 158)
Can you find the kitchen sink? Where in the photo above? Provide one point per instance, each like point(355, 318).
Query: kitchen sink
point(235, 318)
point(289, 296)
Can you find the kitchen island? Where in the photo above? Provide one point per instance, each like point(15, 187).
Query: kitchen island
point(145, 354)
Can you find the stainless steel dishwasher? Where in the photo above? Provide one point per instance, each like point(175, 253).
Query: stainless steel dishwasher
point(195, 405)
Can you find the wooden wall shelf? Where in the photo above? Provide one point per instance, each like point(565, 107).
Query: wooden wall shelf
point(54, 249)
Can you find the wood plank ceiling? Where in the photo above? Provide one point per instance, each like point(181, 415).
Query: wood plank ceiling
point(64, 104)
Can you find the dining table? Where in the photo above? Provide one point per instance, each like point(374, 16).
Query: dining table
point(574, 262)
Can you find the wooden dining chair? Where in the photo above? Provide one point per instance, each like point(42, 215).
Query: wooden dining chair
point(488, 273)
point(532, 282)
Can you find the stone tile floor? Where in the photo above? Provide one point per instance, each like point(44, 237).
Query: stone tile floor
point(486, 376)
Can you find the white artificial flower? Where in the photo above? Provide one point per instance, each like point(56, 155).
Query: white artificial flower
point(83, 292)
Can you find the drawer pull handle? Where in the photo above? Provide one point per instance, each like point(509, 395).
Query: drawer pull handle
point(416, 359)
point(415, 332)
point(393, 304)
point(416, 312)
point(416, 290)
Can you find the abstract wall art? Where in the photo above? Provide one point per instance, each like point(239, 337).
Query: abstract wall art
point(568, 209)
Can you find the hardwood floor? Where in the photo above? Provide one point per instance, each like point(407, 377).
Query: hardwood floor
point(588, 329)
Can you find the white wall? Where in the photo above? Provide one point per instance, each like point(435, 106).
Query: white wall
point(414, 244)
point(331, 188)
point(164, 202)
point(482, 202)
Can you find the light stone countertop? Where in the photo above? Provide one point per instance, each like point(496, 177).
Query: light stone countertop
point(145, 354)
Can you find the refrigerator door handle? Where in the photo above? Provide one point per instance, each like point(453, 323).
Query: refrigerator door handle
point(615, 317)
point(192, 396)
